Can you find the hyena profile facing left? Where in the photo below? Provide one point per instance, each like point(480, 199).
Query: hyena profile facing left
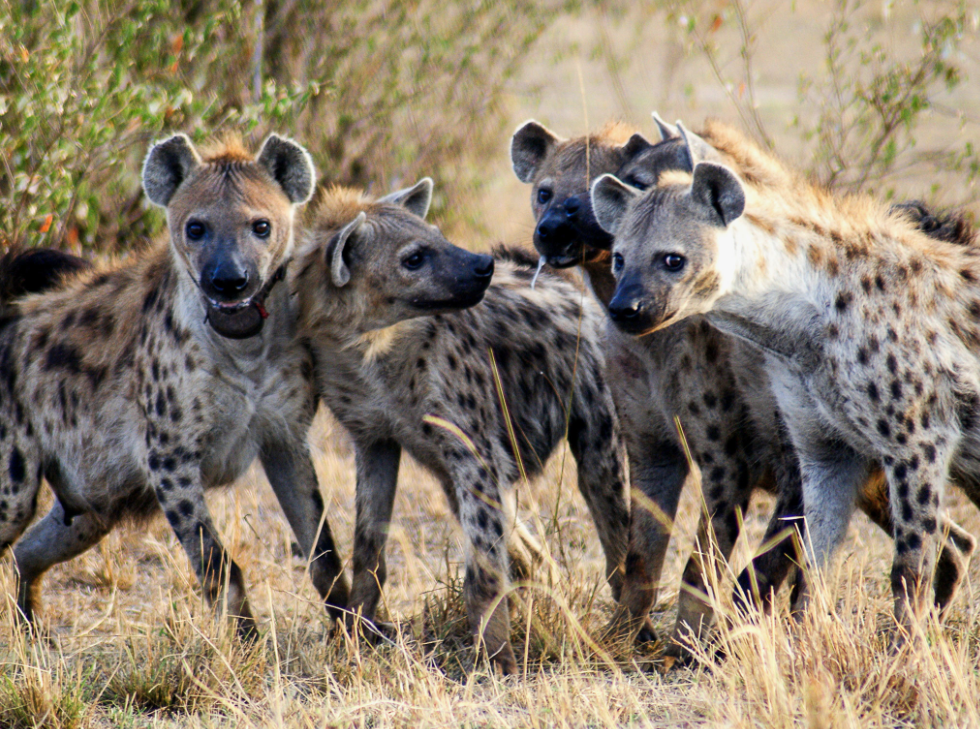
point(135, 388)
point(405, 326)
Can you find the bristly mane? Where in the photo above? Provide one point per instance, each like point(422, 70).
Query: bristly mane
point(515, 254)
point(335, 206)
point(227, 148)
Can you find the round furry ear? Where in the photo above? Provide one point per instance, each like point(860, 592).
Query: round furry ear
point(416, 199)
point(339, 271)
point(610, 199)
point(666, 130)
point(529, 147)
point(718, 190)
point(290, 165)
point(636, 145)
point(167, 165)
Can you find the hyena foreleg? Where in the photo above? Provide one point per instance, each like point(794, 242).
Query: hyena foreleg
point(293, 479)
point(181, 497)
point(377, 476)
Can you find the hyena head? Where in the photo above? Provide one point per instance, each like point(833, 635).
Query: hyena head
point(647, 162)
point(672, 255)
point(231, 220)
point(382, 263)
point(560, 172)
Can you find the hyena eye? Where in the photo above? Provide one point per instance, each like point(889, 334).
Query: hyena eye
point(262, 228)
point(544, 195)
point(618, 262)
point(674, 262)
point(414, 261)
point(636, 182)
point(195, 229)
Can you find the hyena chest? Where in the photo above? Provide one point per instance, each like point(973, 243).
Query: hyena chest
point(240, 416)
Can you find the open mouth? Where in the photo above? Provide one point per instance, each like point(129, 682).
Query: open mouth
point(241, 319)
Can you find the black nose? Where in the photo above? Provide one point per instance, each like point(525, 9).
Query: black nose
point(572, 206)
point(624, 309)
point(483, 267)
point(227, 280)
point(550, 229)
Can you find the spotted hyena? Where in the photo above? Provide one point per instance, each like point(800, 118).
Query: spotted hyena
point(715, 385)
point(417, 350)
point(134, 388)
point(720, 142)
point(869, 328)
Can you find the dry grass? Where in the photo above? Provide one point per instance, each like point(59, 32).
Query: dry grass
point(130, 643)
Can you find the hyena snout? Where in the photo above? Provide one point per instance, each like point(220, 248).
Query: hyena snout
point(565, 228)
point(227, 278)
point(632, 311)
point(473, 279)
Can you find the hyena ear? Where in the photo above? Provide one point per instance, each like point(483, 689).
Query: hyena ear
point(610, 198)
point(290, 165)
point(341, 242)
point(697, 149)
point(666, 130)
point(635, 146)
point(416, 199)
point(716, 188)
point(529, 147)
point(167, 165)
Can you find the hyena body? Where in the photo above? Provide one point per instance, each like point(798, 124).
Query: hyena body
point(118, 389)
point(869, 326)
point(720, 142)
point(404, 365)
point(713, 383)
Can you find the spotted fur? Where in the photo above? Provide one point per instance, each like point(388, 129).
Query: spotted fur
point(718, 389)
point(406, 359)
point(117, 389)
point(867, 324)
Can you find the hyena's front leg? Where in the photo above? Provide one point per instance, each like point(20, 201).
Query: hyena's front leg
point(377, 476)
point(179, 491)
point(293, 479)
point(485, 586)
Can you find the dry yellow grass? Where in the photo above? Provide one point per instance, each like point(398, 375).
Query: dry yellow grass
point(131, 644)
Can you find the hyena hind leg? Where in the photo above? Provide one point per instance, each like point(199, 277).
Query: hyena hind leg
point(49, 542)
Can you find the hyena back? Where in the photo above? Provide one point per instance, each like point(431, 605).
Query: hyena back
point(130, 389)
point(407, 359)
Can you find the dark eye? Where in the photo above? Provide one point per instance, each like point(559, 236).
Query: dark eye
point(674, 262)
point(262, 228)
point(414, 261)
point(635, 182)
point(195, 229)
point(618, 262)
point(544, 195)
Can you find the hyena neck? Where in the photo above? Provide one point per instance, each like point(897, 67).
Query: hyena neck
point(771, 293)
point(598, 275)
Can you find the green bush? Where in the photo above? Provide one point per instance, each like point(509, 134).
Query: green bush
point(380, 91)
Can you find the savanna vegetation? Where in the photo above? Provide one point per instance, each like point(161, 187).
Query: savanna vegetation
point(878, 96)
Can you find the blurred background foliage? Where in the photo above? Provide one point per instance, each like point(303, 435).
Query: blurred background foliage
point(385, 91)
